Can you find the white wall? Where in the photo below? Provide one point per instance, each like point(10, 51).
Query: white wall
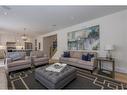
point(113, 30)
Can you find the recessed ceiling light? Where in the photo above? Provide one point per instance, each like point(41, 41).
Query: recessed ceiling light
point(54, 25)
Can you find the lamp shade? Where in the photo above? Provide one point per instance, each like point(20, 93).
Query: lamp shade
point(109, 47)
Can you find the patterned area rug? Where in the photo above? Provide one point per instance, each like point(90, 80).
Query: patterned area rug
point(85, 80)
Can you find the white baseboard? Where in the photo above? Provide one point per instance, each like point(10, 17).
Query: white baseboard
point(121, 70)
point(117, 69)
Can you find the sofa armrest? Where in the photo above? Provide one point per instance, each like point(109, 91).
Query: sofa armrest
point(9, 60)
point(33, 57)
point(45, 55)
point(93, 59)
point(27, 58)
point(61, 55)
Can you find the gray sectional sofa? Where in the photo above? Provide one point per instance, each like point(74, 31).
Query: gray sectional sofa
point(75, 59)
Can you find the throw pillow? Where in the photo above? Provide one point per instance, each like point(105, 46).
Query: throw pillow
point(85, 57)
point(66, 54)
point(90, 56)
point(16, 56)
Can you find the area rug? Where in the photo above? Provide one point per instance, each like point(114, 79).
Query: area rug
point(85, 80)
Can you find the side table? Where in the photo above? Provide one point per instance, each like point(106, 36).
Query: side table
point(101, 60)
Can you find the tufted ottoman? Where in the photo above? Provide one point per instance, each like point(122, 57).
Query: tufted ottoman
point(53, 80)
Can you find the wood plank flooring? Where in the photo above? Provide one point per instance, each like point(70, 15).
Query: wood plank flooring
point(121, 77)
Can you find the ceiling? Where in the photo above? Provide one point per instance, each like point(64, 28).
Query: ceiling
point(39, 20)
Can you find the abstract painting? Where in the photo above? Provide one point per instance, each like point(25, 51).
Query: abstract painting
point(85, 39)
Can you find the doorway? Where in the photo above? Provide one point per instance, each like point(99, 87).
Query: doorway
point(50, 45)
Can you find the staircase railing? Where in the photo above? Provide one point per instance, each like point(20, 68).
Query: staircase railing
point(53, 48)
point(52, 51)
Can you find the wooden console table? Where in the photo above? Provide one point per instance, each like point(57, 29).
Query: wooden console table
point(101, 60)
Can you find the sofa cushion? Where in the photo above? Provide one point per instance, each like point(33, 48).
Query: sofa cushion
point(76, 54)
point(39, 54)
point(40, 59)
point(89, 63)
point(73, 60)
point(64, 59)
point(18, 63)
point(69, 59)
point(33, 53)
point(66, 54)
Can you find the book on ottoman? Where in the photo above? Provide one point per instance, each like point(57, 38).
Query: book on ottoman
point(56, 67)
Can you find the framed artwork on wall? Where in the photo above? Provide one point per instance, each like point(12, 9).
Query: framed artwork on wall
point(85, 39)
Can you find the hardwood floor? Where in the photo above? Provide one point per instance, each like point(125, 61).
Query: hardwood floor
point(118, 76)
point(121, 77)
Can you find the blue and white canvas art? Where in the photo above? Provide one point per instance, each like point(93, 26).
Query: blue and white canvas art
point(85, 39)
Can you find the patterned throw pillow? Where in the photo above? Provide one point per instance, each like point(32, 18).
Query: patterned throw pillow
point(66, 54)
point(16, 55)
point(90, 56)
point(87, 57)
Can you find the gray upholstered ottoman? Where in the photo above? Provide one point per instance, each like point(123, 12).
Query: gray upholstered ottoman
point(53, 80)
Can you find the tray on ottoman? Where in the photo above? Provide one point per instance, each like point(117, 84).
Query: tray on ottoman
point(53, 80)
